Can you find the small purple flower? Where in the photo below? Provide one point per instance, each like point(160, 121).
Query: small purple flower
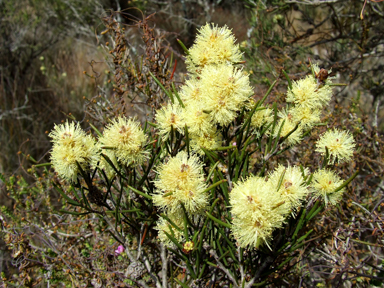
point(234, 143)
point(119, 250)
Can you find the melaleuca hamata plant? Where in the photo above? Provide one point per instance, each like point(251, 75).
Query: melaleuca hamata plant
point(207, 182)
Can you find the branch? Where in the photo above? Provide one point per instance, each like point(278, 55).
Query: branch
point(262, 267)
point(240, 263)
point(221, 266)
point(149, 269)
point(163, 255)
point(142, 283)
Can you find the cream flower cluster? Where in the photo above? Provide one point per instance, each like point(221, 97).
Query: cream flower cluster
point(309, 93)
point(325, 182)
point(126, 139)
point(293, 188)
point(259, 207)
point(170, 118)
point(226, 91)
point(180, 185)
point(122, 142)
point(71, 148)
point(213, 45)
point(213, 95)
point(340, 145)
point(181, 182)
point(256, 212)
point(306, 99)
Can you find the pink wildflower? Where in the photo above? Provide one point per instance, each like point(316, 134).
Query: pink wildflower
point(119, 250)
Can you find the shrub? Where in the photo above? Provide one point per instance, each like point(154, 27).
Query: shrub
point(223, 187)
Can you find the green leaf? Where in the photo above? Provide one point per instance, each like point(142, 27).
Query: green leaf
point(113, 166)
point(138, 192)
point(289, 134)
point(309, 180)
point(152, 124)
point(231, 246)
point(212, 170)
point(162, 87)
point(269, 143)
point(210, 155)
point(224, 148)
point(214, 185)
point(326, 158)
point(283, 247)
point(316, 212)
point(285, 262)
point(312, 69)
point(42, 165)
point(173, 239)
point(181, 283)
point(346, 182)
point(177, 95)
point(299, 225)
point(278, 136)
point(313, 209)
point(183, 46)
point(171, 222)
point(185, 222)
point(337, 84)
point(84, 198)
point(69, 200)
point(288, 79)
point(281, 180)
point(78, 198)
point(266, 94)
point(96, 130)
point(366, 243)
point(302, 238)
point(180, 256)
point(218, 221)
